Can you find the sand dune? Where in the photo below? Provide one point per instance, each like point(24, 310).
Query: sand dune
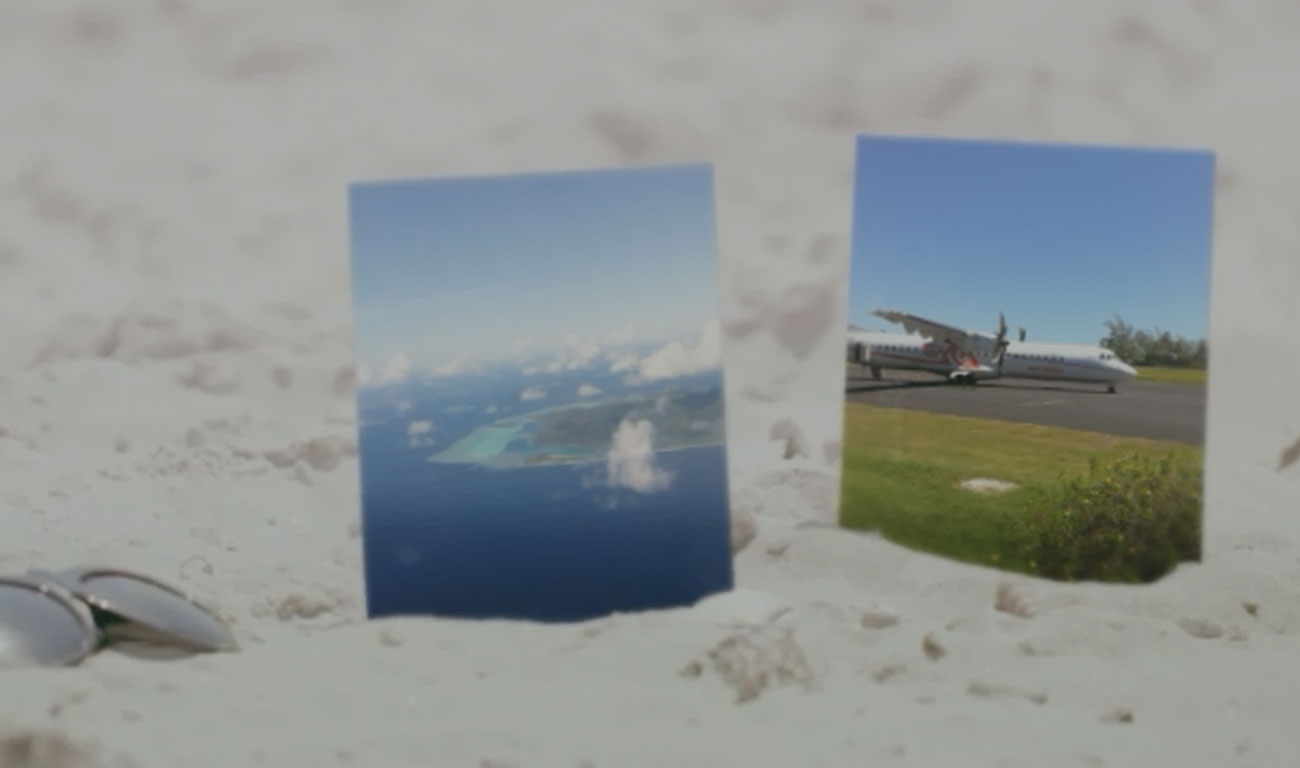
point(176, 381)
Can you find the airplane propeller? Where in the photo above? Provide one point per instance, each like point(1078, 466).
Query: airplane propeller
point(1002, 342)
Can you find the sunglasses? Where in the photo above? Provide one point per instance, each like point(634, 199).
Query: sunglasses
point(50, 618)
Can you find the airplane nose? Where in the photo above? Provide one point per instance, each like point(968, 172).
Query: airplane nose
point(1126, 368)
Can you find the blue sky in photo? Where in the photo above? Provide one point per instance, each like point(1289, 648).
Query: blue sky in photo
point(445, 267)
point(1059, 237)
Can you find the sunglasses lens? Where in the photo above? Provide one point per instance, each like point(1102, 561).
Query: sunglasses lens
point(40, 627)
point(151, 612)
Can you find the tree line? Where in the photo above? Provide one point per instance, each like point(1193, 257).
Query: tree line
point(1156, 347)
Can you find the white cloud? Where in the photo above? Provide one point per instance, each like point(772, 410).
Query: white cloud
point(364, 376)
point(420, 433)
point(490, 409)
point(576, 354)
point(396, 369)
point(573, 353)
point(631, 459)
point(624, 364)
point(587, 390)
point(624, 335)
point(677, 359)
point(522, 352)
point(402, 407)
point(463, 364)
point(532, 393)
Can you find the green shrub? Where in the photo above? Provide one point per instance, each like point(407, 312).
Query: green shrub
point(1129, 519)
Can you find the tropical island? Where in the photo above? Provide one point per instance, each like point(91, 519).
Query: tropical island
point(582, 431)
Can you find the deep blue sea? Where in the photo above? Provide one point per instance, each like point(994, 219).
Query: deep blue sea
point(540, 542)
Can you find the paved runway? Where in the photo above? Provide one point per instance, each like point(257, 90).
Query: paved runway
point(1153, 410)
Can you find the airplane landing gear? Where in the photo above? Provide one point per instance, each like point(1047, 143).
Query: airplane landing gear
point(1111, 389)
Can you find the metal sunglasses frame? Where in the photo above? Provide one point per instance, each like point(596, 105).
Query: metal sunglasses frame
point(133, 626)
point(92, 637)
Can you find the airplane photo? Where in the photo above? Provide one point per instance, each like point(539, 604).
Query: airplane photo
point(1079, 461)
point(970, 356)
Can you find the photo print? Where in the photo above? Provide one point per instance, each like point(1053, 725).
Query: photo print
point(540, 393)
point(1027, 354)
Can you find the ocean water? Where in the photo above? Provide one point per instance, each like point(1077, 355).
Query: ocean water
point(545, 542)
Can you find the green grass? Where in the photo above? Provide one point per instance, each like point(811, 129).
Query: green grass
point(1172, 375)
point(902, 470)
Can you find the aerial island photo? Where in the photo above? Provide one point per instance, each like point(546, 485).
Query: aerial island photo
point(542, 425)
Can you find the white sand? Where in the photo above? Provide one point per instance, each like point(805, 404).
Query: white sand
point(175, 393)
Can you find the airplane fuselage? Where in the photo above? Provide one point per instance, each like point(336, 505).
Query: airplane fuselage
point(1023, 360)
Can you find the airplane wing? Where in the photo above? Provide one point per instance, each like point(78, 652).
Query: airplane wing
point(928, 328)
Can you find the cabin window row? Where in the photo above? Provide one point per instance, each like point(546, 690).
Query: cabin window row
point(1013, 355)
point(1016, 355)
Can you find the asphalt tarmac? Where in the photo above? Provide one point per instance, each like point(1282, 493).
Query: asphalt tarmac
point(1146, 409)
